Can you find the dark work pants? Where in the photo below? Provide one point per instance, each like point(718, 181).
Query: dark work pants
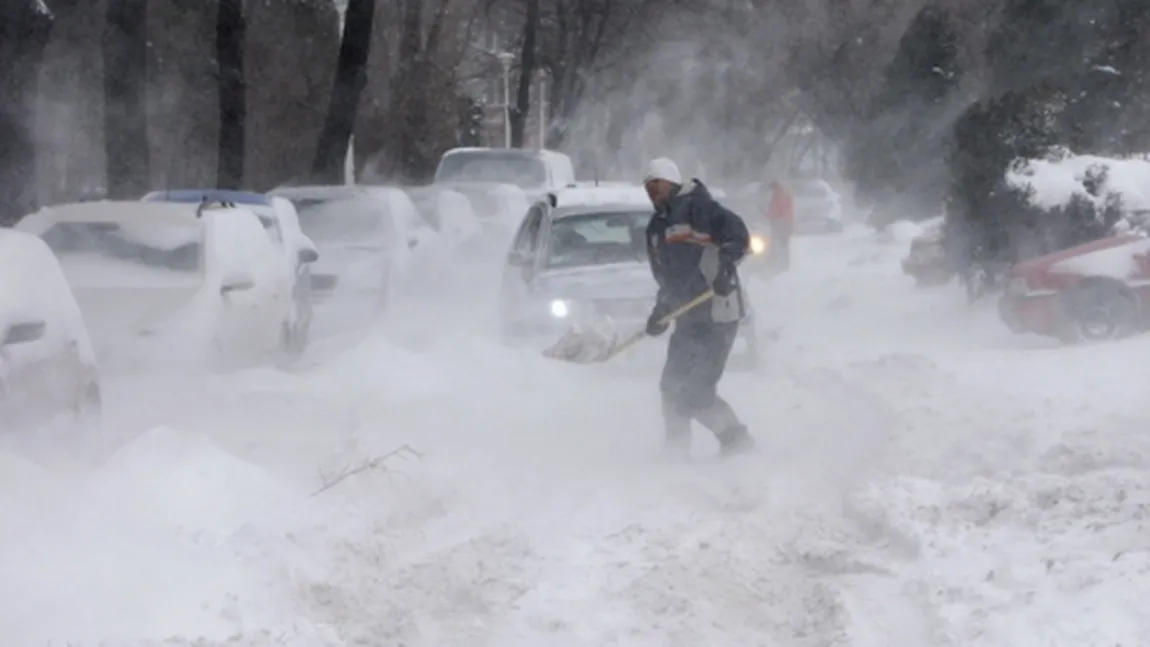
point(696, 358)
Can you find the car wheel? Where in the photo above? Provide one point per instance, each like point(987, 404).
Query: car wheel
point(1100, 311)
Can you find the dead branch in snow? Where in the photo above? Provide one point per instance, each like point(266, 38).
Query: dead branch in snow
point(331, 480)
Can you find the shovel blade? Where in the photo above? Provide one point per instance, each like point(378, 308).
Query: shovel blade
point(585, 344)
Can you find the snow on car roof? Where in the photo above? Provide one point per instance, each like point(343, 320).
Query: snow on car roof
point(177, 214)
point(507, 152)
point(318, 191)
point(627, 194)
point(210, 195)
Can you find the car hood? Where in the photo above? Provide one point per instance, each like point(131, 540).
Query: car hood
point(1044, 263)
point(612, 281)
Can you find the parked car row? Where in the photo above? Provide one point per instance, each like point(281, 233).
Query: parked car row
point(206, 274)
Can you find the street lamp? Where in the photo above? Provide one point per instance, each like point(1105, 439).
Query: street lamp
point(505, 59)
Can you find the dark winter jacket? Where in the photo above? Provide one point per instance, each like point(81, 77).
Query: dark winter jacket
point(688, 239)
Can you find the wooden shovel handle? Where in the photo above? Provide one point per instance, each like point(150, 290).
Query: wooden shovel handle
point(666, 320)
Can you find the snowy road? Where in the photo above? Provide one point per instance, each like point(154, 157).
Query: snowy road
point(926, 479)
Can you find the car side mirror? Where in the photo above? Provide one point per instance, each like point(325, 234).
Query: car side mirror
point(307, 255)
point(236, 283)
point(24, 332)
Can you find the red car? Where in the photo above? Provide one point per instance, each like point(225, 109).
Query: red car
point(1092, 292)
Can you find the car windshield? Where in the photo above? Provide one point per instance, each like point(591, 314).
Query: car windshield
point(343, 219)
point(492, 166)
point(154, 246)
point(598, 238)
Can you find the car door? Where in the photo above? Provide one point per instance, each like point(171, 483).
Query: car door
point(522, 260)
point(245, 274)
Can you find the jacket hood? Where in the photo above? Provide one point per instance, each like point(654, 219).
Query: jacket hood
point(692, 187)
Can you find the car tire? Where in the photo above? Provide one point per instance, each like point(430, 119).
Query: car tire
point(1101, 310)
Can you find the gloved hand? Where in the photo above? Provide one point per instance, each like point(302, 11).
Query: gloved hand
point(725, 281)
point(654, 326)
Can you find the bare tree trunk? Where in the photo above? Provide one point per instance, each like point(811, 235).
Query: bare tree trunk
point(350, 78)
point(24, 31)
point(125, 49)
point(231, 28)
point(526, 71)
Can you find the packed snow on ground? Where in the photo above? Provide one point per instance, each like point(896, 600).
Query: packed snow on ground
point(924, 479)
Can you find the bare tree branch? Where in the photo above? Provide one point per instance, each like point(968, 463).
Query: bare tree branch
point(329, 481)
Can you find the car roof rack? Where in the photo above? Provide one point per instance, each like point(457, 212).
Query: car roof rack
point(213, 203)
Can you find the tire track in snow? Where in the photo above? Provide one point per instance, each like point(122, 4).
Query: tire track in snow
point(595, 543)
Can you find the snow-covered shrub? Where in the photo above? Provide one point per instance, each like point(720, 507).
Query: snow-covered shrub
point(1090, 196)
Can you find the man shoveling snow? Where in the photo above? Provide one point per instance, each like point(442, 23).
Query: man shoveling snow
point(694, 245)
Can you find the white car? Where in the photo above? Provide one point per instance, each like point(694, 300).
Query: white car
point(203, 282)
point(576, 261)
point(366, 237)
point(534, 171)
point(281, 222)
point(47, 365)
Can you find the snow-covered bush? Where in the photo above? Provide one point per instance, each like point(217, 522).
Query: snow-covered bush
point(1066, 199)
point(1096, 191)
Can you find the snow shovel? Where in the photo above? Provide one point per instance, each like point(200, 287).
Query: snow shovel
point(597, 346)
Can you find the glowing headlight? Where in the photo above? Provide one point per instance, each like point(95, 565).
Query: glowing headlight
point(758, 244)
point(560, 309)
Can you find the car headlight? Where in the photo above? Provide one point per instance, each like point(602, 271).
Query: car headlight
point(560, 309)
point(758, 244)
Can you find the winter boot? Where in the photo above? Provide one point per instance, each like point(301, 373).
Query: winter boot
point(735, 440)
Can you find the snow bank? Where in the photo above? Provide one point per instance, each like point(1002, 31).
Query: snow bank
point(1058, 179)
point(143, 549)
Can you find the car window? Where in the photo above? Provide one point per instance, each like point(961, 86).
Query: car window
point(492, 166)
point(177, 249)
point(597, 238)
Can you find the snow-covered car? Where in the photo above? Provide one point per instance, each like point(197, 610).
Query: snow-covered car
point(818, 207)
point(203, 282)
point(582, 263)
point(1092, 292)
point(534, 171)
point(281, 222)
point(47, 365)
point(366, 236)
point(926, 261)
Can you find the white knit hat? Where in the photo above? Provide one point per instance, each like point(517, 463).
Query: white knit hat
point(662, 168)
